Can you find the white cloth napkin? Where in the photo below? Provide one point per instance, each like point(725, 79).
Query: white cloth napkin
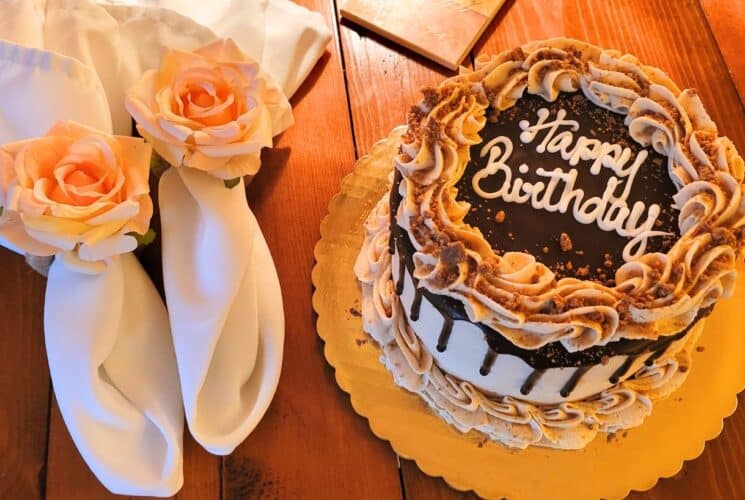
point(108, 341)
point(286, 38)
point(213, 274)
point(225, 306)
point(39, 88)
point(118, 41)
point(230, 361)
point(123, 38)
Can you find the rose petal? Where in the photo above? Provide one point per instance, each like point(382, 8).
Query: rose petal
point(178, 132)
point(118, 213)
point(141, 222)
point(14, 233)
point(60, 233)
point(97, 234)
point(238, 166)
point(223, 134)
point(78, 214)
point(198, 161)
point(115, 245)
point(174, 61)
point(72, 261)
point(174, 154)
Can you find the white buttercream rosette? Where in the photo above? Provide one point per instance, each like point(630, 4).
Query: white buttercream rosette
point(654, 293)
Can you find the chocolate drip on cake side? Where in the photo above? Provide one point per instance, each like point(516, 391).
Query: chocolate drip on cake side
point(394, 200)
point(447, 329)
point(401, 276)
point(416, 304)
point(656, 354)
point(489, 358)
point(622, 370)
point(566, 391)
point(530, 382)
point(552, 355)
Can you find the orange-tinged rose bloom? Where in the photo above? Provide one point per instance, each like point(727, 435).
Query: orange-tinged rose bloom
point(75, 192)
point(211, 109)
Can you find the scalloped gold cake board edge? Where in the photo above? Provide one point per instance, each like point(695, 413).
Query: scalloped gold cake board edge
point(610, 467)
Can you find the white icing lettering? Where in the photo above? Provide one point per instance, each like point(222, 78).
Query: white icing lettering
point(610, 211)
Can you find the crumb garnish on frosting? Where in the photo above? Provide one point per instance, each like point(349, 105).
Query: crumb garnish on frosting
point(705, 168)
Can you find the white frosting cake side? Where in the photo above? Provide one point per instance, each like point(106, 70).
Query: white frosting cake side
point(406, 351)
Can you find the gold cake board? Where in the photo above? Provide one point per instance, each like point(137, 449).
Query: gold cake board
point(610, 467)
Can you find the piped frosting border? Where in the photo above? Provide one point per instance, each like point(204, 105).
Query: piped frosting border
point(654, 295)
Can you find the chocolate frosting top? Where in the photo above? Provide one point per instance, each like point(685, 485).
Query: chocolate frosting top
point(595, 254)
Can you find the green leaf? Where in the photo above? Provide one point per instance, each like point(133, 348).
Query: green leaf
point(2, 209)
point(231, 183)
point(143, 240)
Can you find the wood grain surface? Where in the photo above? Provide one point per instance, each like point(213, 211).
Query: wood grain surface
point(727, 20)
point(311, 444)
point(24, 381)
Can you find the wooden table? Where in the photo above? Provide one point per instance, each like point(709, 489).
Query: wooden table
point(311, 444)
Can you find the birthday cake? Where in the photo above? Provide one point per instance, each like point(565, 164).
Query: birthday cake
point(559, 220)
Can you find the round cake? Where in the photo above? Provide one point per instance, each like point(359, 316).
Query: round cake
point(559, 220)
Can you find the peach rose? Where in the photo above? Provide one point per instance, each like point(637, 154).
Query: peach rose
point(75, 192)
point(212, 110)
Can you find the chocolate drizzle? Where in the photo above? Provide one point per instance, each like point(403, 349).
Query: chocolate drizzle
point(573, 381)
point(656, 354)
point(416, 304)
point(401, 276)
point(489, 359)
point(394, 202)
point(552, 355)
point(622, 370)
point(447, 329)
point(530, 382)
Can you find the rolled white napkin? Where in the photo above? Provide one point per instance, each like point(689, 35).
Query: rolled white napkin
point(108, 341)
point(39, 87)
point(114, 375)
point(226, 390)
point(225, 306)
